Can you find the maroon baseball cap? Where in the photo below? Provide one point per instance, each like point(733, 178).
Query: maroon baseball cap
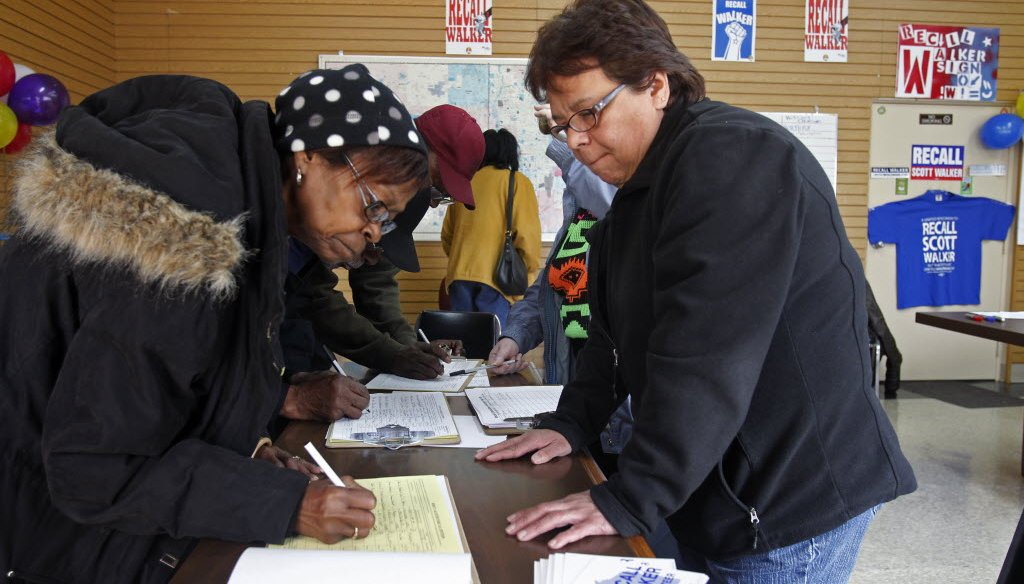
point(458, 143)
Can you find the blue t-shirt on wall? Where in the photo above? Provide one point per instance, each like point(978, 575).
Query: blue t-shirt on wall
point(938, 239)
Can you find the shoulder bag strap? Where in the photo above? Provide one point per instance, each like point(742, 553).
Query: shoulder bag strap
point(508, 202)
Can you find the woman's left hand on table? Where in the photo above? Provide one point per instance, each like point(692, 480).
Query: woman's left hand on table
point(577, 510)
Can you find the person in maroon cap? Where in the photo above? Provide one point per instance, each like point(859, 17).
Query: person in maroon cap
point(373, 331)
point(455, 145)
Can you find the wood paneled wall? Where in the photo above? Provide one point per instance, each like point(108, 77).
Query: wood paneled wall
point(258, 46)
point(73, 41)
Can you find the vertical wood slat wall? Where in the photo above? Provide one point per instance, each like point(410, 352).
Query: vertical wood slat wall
point(258, 46)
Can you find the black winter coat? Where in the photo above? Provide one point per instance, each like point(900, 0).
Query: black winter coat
point(138, 369)
point(727, 298)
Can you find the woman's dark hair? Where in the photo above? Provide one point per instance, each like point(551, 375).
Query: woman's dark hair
point(501, 150)
point(389, 165)
point(626, 38)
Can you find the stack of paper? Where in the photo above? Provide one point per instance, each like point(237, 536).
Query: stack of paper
point(444, 382)
point(588, 569)
point(504, 407)
point(417, 537)
point(397, 419)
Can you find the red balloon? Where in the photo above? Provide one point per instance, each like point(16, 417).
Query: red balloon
point(21, 139)
point(6, 73)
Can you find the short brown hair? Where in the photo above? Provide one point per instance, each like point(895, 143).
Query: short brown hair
point(389, 165)
point(626, 38)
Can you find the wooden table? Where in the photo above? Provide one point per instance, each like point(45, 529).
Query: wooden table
point(1010, 332)
point(484, 493)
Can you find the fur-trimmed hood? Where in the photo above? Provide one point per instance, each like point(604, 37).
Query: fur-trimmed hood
point(169, 177)
point(99, 216)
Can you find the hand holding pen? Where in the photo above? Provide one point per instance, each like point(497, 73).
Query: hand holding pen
point(480, 368)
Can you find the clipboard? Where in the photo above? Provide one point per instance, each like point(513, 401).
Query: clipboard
point(512, 410)
point(395, 420)
point(447, 520)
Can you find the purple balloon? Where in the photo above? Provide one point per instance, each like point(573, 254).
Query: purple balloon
point(37, 99)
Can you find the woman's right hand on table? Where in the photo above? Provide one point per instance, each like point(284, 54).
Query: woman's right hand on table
point(331, 513)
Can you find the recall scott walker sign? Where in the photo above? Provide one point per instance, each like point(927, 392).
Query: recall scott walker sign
point(947, 62)
point(928, 162)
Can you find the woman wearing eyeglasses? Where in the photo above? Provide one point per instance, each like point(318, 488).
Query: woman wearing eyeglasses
point(139, 360)
point(727, 301)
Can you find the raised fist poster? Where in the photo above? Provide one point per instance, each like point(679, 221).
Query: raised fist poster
point(825, 30)
point(733, 27)
point(467, 27)
point(947, 62)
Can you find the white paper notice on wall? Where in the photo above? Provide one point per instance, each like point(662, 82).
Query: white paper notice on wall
point(819, 132)
point(987, 170)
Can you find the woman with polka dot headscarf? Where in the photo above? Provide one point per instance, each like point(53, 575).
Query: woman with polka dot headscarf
point(139, 357)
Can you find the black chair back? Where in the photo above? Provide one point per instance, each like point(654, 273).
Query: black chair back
point(478, 331)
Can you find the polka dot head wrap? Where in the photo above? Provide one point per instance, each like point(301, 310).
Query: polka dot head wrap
point(329, 108)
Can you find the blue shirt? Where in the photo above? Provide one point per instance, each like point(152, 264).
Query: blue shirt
point(938, 239)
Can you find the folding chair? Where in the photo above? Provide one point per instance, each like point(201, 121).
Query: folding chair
point(478, 331)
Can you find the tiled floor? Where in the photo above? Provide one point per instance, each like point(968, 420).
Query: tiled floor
point(957, 526)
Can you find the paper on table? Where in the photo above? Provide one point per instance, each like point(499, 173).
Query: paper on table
point(273, 566)
point(586, 569)
point(1007, 315)
point(420, 412)
point(444, 382)
point(413, 514)
point(493, 405)
point(480, 379)
point(471, 435)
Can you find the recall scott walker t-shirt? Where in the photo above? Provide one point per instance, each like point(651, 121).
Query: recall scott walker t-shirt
point(938, 239)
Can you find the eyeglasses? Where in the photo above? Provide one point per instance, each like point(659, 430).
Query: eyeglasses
point(585, 119)
point(440, 197)
point(375, 209)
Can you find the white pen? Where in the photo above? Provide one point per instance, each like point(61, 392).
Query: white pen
point(334, 361)
point(423, 336)
point(319, 460)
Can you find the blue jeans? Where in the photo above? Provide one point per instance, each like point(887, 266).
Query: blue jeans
point(823, 559)
point(476, 297)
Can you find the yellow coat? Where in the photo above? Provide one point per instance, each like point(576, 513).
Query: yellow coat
point(473, 239)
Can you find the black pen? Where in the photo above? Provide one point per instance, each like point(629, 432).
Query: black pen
point(480, 368)
point(334, 361)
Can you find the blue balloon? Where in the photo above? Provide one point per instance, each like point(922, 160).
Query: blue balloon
point(1002, 130)
point(37, 99)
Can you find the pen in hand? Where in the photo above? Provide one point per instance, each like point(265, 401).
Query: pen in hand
point(319, 460)
point(480, 368)
point(334, 361)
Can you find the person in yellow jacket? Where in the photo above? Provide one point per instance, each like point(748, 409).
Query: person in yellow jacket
point(473, 239)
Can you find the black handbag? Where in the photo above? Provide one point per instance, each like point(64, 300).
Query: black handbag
point(510, 273)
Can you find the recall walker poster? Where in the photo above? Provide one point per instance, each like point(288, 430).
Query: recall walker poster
point(825, 30)
point(733, 29)
point(947, 62)
point(467, 27)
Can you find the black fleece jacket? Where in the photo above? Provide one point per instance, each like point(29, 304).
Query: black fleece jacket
point(728, 300)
